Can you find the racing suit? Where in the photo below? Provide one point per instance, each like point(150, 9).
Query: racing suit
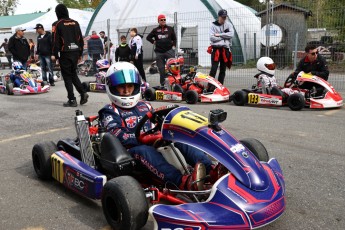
point(16, 79)
point(266, 82)
point(123, 122)
point(68, 41)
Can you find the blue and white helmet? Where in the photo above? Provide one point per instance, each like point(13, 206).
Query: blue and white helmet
point(123, 73)
point(17, 66)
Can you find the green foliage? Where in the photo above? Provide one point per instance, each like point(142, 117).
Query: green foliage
point(7, 7)
point(80, 4)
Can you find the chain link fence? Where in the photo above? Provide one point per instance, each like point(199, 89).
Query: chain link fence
point(282, 33)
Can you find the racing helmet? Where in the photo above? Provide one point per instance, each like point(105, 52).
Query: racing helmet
point(173, 66)
point(123, 73)
point(102, 64)
point(17, 66)
point(266, 65)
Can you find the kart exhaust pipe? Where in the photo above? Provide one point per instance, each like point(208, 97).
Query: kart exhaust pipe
point(82, 128)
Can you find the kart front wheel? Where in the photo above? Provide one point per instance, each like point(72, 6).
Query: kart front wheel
point(41, 154)
point(124, 203)
point(150, 94)
point(86, 86)
point(257, 148)
point(192, 97)
point(296, 101)
point(240, 97)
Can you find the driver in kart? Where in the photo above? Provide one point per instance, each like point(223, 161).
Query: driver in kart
point(15, 77)
point(121, 117)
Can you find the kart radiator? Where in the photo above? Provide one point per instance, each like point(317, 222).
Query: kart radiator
point(82, 129)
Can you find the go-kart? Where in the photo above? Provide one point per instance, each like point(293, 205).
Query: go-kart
point(249, 195)
point(36, 72)
point(29, 85)
point(98, 85)
point(194, 87)
point(292, 94)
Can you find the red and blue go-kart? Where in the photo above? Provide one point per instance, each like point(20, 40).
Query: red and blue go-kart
point(249, 195)
point(29, 85)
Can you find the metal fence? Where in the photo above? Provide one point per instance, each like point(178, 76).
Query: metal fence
point(282, 33)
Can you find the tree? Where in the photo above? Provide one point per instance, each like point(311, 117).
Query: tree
point(7, 7)
point(80, 4)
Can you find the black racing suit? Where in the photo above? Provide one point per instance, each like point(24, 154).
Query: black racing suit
point(68, 40)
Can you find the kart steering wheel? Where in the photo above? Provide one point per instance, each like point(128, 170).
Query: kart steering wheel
point(157, 118)
point(289, 81)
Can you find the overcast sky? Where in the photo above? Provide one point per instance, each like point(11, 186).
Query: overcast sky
point(30, 6)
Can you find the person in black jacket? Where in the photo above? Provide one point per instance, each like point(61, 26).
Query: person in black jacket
point(68, 42)
point(164, 38)
point(44, 51)
point(19, 47)
point(123, 52)
point(95, 49)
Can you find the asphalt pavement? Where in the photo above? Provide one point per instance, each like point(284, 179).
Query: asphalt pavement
point(309, 145)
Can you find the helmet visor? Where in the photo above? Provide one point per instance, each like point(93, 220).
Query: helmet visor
point(175, 67)
point(124, 76)
point(271, 66)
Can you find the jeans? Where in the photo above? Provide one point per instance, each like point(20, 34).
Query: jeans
point(156, 163)
point(160, 60)
point(47, 66)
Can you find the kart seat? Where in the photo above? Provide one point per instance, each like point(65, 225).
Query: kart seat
point(114, 157)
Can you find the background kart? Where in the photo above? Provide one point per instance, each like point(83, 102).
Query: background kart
point(293, 94)
point(98, 85)
point(194, 87)
point(30, 85)
point(96, 165)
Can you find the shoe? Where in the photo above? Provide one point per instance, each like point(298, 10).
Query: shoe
point(83, 99)
point(52, 84)
point(194, 182)
point(217, 172)
point(70, 103)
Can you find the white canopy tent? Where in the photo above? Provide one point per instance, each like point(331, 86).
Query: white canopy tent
point(82, 16)
point(192, 13)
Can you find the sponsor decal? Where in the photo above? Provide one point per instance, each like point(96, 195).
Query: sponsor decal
point(131, 121)
point(269, 101)
point(107, 119)
point(150, 167)
point(237, 148)
point(73, 180)
point(127, 103)
point(142, 108)
point(127, 113)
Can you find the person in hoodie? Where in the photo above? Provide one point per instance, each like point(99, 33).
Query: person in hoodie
point(123, 52)
point(136, 45)
point(68, 47)
point(44, 52)
point(19, 47)
point(221, 34)
point(164, 38)
point(95, 49)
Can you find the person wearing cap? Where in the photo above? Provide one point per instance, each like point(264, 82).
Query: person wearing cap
point(67, 47)
point(19, 47)
point(221, 34)
point(94, 49)
point(164, 39)
point(44, 52)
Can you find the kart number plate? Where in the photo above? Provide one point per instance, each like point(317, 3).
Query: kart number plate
point(92, 87)
point(253, 98)
point(159, 96)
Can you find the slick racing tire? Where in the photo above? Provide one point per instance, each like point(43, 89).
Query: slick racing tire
point(41, 153)
point(177, 88)
point(86, 86)
point(296, 101)
point(257, 148)
point(240, 97)
point(191, 97)
point(150, 94)
point(124, 203)
point(9, 88)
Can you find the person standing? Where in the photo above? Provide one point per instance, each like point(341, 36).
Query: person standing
point(104, 40)
point(164, 39)
point(136, 45)
point(19, 47)
point(68, 42)
point(95, 49)
point(7, 52)
point(123, 52)
point(221, 34)
point(44, 51)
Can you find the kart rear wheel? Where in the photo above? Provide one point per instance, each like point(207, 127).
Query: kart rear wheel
point(177, 88)
point(257, 148)
point(150, 94)
point(240, 97)
point(41, 153)
point(9, 88)
point(124, 203)
point(86, 86)
point(192, 97)
point(296, 101)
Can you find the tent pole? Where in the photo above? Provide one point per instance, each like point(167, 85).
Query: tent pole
point(176, 33)
point(108, 42)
